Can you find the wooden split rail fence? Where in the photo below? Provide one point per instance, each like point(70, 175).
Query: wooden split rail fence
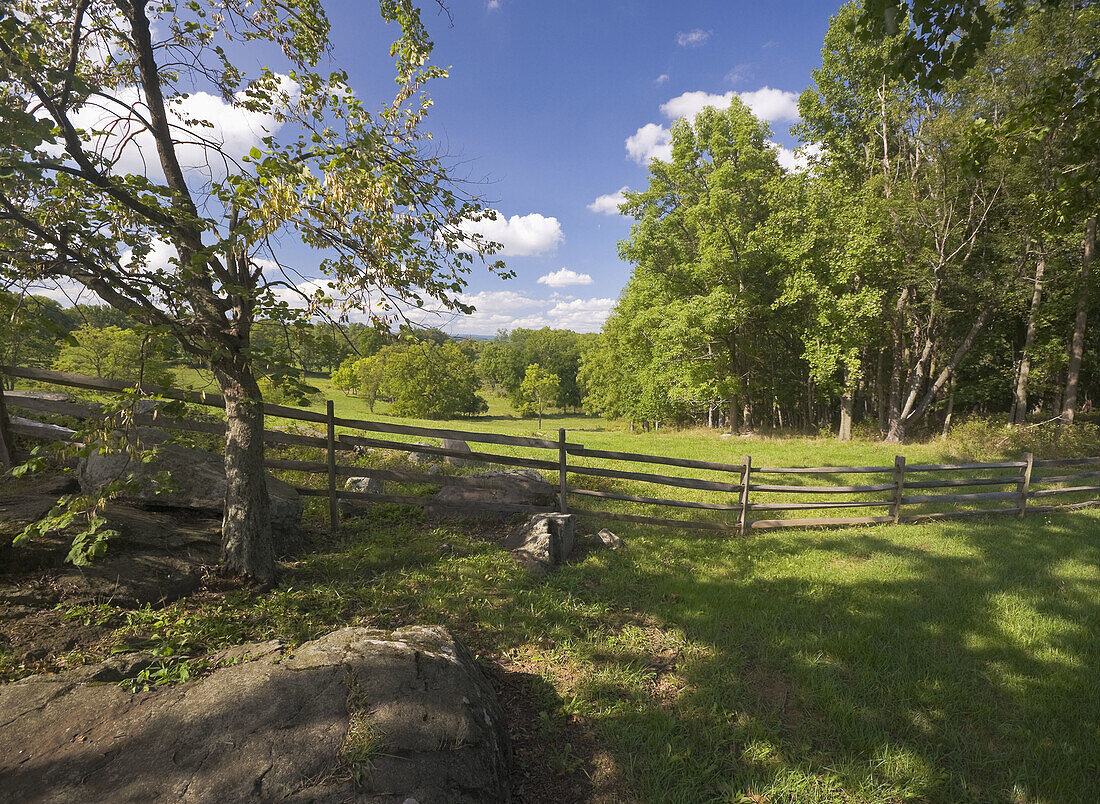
point(743, 496)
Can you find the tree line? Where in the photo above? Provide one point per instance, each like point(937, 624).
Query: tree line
point(933, 257)
point(420, 373)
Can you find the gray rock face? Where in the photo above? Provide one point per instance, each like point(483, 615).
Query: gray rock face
point(199, 478)
point(498, 487)
point(609, 539)
point(359, 715)
point(361, 485)
point(421, 458)
point(457, 446)
point(543, 542)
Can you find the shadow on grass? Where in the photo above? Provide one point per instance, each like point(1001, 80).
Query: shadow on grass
point(948, 662)
point(821, 666)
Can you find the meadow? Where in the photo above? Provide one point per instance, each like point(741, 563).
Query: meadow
point(949, 661)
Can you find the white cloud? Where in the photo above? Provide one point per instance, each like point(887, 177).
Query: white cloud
point(196, 119)
point(651, 141)
point(662, 79)
point(520, 235)
point(772, 104)
point(798, 159)
point(766, 103)
point(740, 74)
point(609, 204)
point(654, 141)
point(160, 257)
point(64, 291)
point(493, 5)
point(565, 277)
point(693, 38)
point(498, 310)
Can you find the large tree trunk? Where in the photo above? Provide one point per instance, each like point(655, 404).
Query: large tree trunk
point(895, 427)
point(847, 404)
point(7, 450)
point(247, 547)
point(1019, 402)
point(950, 409)
point(1077, 346)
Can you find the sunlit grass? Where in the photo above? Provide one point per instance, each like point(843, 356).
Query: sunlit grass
point(949, 662)
point(952, 661)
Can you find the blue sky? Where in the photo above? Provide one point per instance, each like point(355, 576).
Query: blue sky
point(550, 110)
point(542, 100)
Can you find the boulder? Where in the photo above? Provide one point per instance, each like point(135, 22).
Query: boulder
point(542, 542)
point(609, 539)
point(357, 715)
point(198, 482)
point(497, 487)
point(458, 446)
point(361, 485)
point(421, 458)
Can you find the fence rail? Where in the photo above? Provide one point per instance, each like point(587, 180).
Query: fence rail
point(737, 487)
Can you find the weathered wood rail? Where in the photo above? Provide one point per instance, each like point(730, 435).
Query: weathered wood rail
point(741, 490)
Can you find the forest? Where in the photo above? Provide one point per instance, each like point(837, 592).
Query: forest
point(930, 260)
point(933, 258)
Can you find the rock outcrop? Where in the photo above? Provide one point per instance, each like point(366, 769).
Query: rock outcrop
point(361, 485)
point(543, 542)
point(359, 715)
point(198, 482)
point(458, 446)
point(496, 488)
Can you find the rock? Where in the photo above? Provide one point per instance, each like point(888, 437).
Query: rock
point(365, 485)
point(199, 482)
point(457, 446)
point(361, 485)
point(542, 542)
point(421, 458)
point(498, 487)
point(157, 557)
point(34, 429)
point(609, 539)
point(357, 715)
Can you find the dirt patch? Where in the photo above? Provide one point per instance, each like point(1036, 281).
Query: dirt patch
point(556, 757)
point(778, 693)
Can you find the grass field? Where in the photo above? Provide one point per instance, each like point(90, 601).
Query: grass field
point(946, 662)
point(949, 662)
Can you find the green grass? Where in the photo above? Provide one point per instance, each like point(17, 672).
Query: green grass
point(950, 662)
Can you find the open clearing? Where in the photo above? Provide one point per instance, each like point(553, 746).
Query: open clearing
point(951, 661)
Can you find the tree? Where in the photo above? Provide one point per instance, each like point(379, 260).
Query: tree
point(114, 353)
point(372, 376)
point(702, 289)
point(346, 378)
point(930, 158)
point(833, 279)
point(31, 329)
point(539, 387)
point(113, 177)
point(429, 380)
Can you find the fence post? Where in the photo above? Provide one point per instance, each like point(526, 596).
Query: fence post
point(899, 486)
point(563, 484)
point(7, 448)
point(746, 477)
point(333, 503)
point(1025, 482)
